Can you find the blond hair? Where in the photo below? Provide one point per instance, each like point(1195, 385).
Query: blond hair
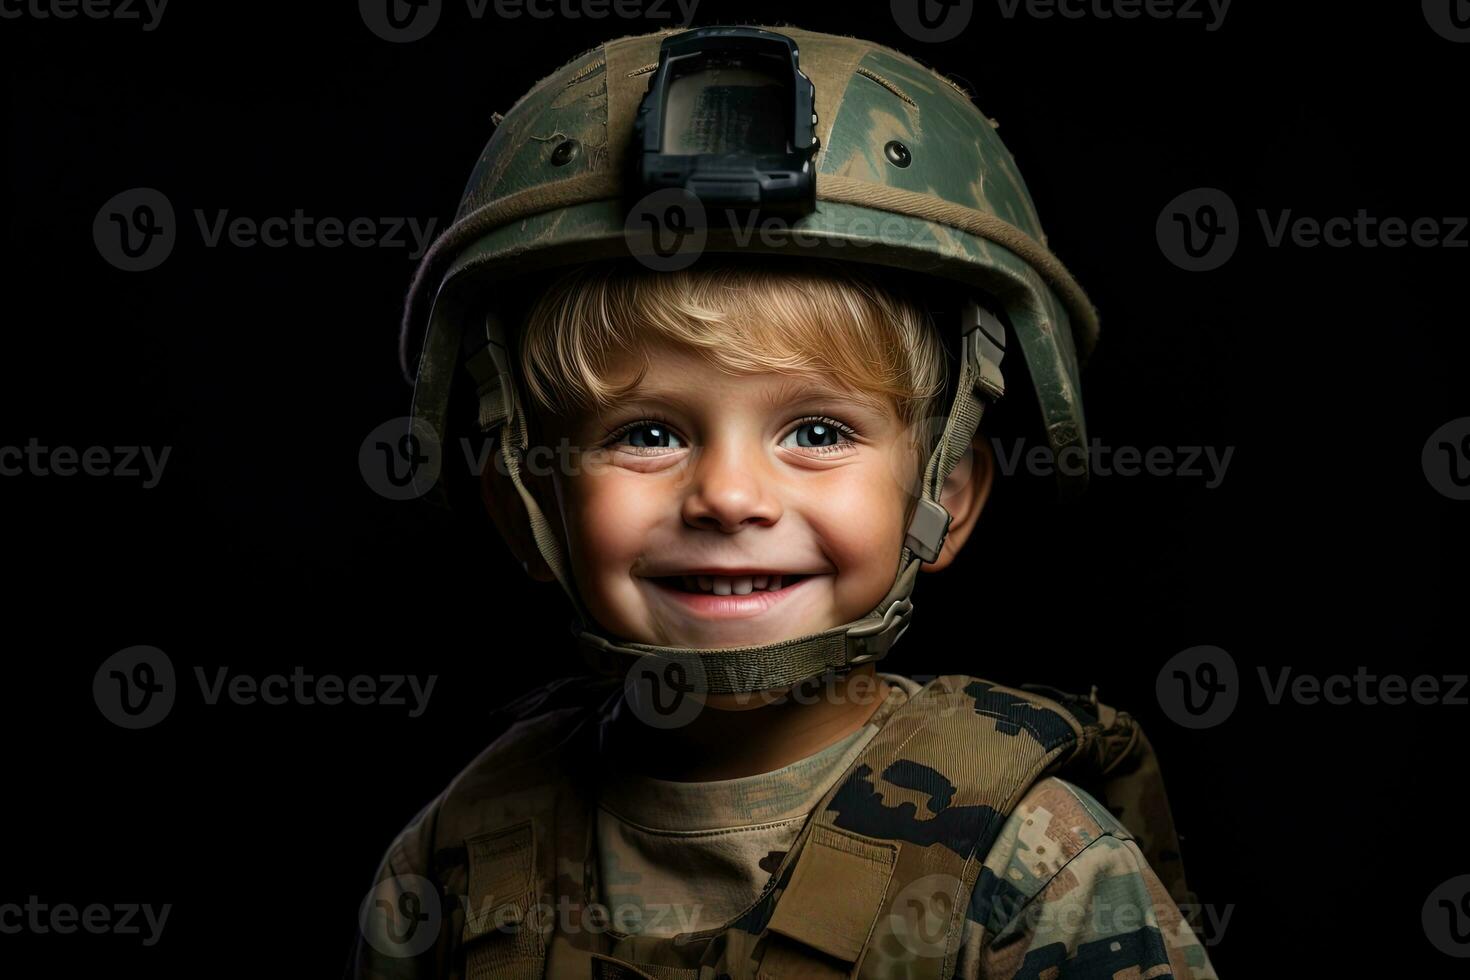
point(809, 318)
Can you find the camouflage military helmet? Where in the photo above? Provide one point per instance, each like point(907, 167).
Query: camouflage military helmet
point(874, 159)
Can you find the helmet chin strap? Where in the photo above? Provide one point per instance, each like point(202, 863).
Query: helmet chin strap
point(735, 670)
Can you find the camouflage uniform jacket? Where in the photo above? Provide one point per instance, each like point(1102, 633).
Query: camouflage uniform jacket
point(1064, 889)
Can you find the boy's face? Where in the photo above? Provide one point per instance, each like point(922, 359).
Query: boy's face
point(700, 483)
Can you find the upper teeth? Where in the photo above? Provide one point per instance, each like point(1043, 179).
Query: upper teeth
point(731, 584)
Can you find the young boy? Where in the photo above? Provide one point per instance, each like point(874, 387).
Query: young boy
point(743, 481)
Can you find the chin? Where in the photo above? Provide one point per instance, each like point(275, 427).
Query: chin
point(733, 635)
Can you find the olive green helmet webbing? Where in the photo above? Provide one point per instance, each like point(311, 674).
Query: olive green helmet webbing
point(962, 215)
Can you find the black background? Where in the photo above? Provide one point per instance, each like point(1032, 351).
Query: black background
point(1321, 828)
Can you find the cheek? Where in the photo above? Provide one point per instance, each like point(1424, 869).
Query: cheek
point(612, 516)
point(860, 523)
point(608, 520)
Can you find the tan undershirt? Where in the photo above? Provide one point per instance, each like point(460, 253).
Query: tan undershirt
point(677, 857)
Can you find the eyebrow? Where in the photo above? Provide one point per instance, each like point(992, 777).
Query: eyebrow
point(806, 389)
point(790, 390)
point(793, 389)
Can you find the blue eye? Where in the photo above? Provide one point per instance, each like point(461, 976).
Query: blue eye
point(649, 435)
point(817, 434)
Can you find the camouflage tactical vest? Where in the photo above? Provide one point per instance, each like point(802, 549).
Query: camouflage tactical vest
point(882, 871)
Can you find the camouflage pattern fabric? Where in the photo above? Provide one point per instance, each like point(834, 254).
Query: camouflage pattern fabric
point(906, 873)
point(958, 211)
point(1065, 892)
point(685, 856)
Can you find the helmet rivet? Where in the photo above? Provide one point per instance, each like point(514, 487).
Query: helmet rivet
point(897, 154)
point(565, 153)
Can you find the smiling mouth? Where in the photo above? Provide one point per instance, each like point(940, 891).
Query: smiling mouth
point(729, 584)
point(716, 597)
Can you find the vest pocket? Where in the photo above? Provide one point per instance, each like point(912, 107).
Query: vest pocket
point(835, 894)
point(502, 937)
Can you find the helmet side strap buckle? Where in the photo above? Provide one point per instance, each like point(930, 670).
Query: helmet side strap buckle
point(927, 529)
point(490, 367)
point(984, 340)
point(871, 641)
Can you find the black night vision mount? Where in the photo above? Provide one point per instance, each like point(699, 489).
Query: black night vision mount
point(730, 119)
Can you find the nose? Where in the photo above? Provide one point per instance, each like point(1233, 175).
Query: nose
point(729, 490)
